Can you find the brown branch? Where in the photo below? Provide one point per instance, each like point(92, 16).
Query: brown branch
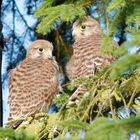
point(131, 98)
point(106, 16)
point(87, 3)
point(1, 46)
point(22, 17)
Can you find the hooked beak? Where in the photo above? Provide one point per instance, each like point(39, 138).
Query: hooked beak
point(50, 55)
point(50, 58)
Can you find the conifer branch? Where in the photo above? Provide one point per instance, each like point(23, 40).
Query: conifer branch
point(87, 3)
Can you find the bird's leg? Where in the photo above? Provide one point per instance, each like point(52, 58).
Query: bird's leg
point(29, 120)
point(14, 123)
point(26, 122)
point(75, 98)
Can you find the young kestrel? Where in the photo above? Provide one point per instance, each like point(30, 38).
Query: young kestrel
point(34, 82)
point(87, 58)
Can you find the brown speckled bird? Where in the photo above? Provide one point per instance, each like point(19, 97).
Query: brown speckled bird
point(34, 82)
point(87, 58)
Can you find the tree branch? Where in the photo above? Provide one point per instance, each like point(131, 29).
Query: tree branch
point(1, 47)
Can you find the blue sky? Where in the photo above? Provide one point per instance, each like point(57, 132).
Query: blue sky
point(19, 30)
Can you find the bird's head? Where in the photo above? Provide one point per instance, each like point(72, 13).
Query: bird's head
point(86, 28)
point(40, 48)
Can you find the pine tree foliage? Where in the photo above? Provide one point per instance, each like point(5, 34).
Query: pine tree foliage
point(48, 22)
point(50, 14)
point(112, 129)
point(127, 13)
point(10, 134)
point(100, 129)
point(96, 115)
point(80, 120)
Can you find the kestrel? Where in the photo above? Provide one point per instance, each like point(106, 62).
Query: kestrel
point(34, 82)
point(87, 58)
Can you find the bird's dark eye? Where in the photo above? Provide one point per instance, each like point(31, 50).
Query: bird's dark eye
point(82, 27)
point(40, 49)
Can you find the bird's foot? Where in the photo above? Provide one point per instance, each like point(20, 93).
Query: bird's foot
point(76, 96)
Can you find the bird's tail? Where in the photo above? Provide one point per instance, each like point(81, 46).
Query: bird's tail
point(11, 123)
